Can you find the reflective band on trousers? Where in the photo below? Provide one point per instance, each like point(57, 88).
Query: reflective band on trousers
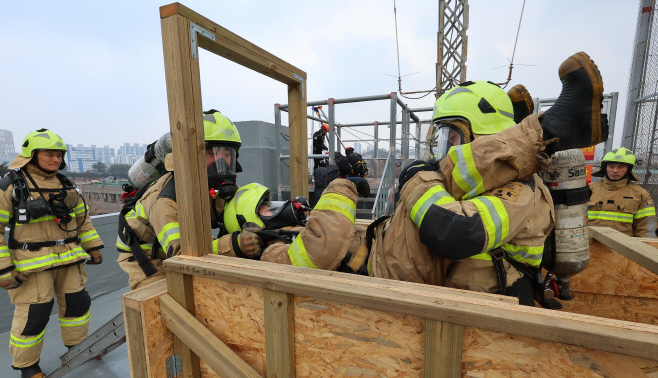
point(646, 212)
point(435, 195)
point(298, 255)
point(75, 322)
point(611, 216)
point(26, 343)
point(528, 255)
point(495, 219)
point(4, 251)
point(168, 234)
point(4, 216)
point(87, 236)
point(465, 173)
point(50, 259)
point(340, 204)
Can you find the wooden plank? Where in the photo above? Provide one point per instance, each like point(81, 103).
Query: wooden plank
point(214, 352)
point(179, 287)
point(135, 340)
point(187, 137)
point(612, 273)
point(630, 247)
point(279, 334)
point(443, 349)
point(236, 48)
point(135, 298)
point(614, 336)
point(298, 140)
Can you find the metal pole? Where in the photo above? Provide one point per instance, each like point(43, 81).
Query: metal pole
point(277, 138)
point(611, 123)
point(340, 139)
point(376, 155)
point(404, 149)
point(332, 138)
point(390, 174)
point(418, 131)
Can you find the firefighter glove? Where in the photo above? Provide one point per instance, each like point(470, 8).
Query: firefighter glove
point(12, 281)
point(250, 244)
point(96, 257)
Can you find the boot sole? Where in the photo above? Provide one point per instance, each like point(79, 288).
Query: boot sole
point(597, 92)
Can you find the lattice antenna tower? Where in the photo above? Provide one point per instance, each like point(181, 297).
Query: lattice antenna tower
point(640, 132)
point(452, 44)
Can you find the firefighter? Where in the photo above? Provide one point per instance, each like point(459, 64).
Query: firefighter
point(359, 166)
point(50, 236)
point(615, 201)
point(467, 220)
point(318, 144)
point(148, 231)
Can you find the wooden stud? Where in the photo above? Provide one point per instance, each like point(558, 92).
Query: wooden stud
point(444, 344)
point(298, 143)
point(211, 349)
point(279, 334)
point(632, 339)
point(634, 249)
point(132, 320)
point(179, 287)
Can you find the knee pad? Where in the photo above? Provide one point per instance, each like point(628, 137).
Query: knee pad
point(37, 318)
point(77, 304)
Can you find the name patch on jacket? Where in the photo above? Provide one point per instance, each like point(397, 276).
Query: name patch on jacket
point(509, 191)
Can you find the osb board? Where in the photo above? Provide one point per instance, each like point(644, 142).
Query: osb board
point(489, 354)
point(611, 273)
point(157, 338)
point(339, 340)
point(632, 309)
point(233, 313)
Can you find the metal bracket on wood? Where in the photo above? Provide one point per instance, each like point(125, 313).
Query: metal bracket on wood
point(194, 28)
point(302, 80)
point(174, 367)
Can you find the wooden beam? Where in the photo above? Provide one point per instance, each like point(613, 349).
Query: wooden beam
point(279, 334)
point(211, 349)
point(132, 320)
point(298, 141)
point(235, 48)
point(187, 137)
point(636, 340)
point(444, 343)
point(179, 287)
point(634, 249)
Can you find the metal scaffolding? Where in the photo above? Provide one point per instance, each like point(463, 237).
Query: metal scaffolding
point(640, 123)
point(452, 44)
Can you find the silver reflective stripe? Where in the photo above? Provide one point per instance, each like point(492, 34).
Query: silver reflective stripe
point(506, 114)
point(494, 217)
point(166, 234)
point(209, 118)
point(44, 135)
point(459, 90)
point(463, 170)
point(426, 205)
point(524, 255)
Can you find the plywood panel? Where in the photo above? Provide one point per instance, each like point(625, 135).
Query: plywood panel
point(611, 273)
point(632, 309)
point(336, 339)
point(158, 340)
point(233, 313)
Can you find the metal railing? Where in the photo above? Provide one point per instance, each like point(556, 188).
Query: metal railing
point(380, 207)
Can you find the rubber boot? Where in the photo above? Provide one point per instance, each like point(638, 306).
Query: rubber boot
point(576, 117)
point(521, 102)
point(33, 371)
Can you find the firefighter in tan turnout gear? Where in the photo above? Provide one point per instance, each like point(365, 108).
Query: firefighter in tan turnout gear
point(615, 201)
point(50, 235)
point(476, 219)
point(148, 227)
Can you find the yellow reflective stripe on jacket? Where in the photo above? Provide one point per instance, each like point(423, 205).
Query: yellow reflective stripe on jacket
point(5, 276)
point(215, 246)
point(79, 209)
point(139, 210)
point(4, 216)
point(168, 234)
point(131, 214)
point(298, 255)
point(646, 212)
point(494, 217)
point(611, 216)
point(26, 343)
point(528, 255)
point(435, 195)
point(465, 173)
point(121, 245)
point(340, 204)
point(4, 251)
point(75, 322)
point(50, 259)
point(44, 218)
point(87, 236)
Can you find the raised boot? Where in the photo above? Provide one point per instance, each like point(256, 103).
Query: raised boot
point(521, 102)
point(576, 117)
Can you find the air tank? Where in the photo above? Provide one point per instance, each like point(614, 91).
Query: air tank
point(567, 248)
point(151, 165)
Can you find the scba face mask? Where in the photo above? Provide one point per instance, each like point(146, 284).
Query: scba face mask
point(448, 136)
point(288, 213)
point(222, 165)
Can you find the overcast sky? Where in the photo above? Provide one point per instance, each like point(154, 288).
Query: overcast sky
point(93, 71)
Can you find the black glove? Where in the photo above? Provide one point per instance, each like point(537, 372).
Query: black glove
point(363, 188)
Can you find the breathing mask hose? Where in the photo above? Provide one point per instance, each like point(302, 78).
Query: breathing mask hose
point(567, 249)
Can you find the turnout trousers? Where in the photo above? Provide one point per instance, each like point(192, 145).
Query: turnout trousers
point(34, 301)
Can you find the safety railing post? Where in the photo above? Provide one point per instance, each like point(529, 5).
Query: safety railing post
point(332, 137)
point(277, 138)
point(376, 155)
point(391, 167)
point(417, 155)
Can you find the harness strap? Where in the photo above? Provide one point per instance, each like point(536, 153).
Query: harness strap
point(498, 255)
point(14, 244)
point(135, 248)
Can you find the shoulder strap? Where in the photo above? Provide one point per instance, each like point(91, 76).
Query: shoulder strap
point(169, 190)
